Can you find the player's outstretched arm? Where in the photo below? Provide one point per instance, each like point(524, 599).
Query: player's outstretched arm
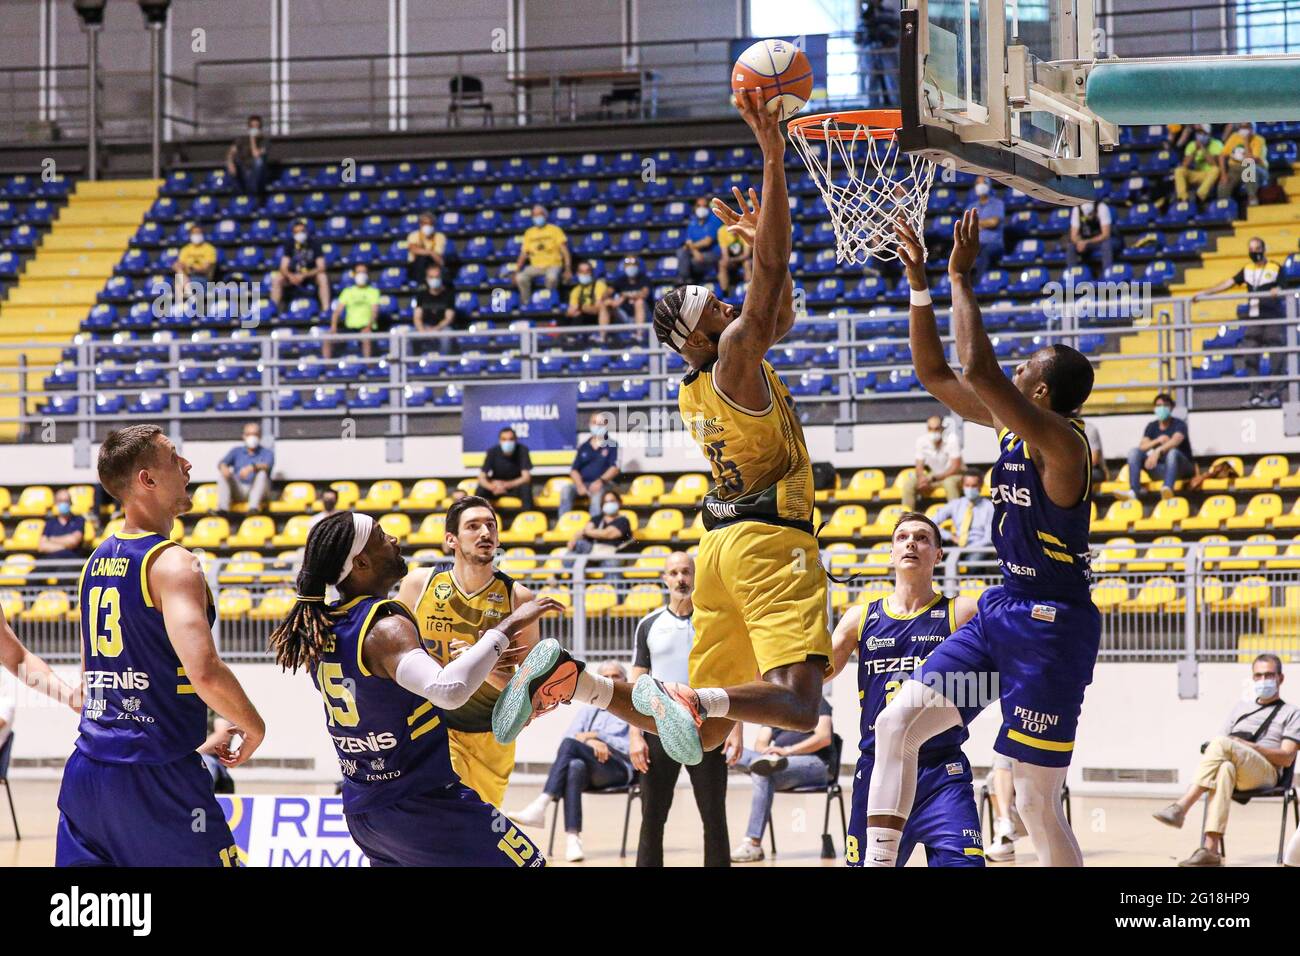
point(743, 223)
point(1048, 433)
point(928, 358)
point(176, 582)
point(32, 670)
point(844, 640)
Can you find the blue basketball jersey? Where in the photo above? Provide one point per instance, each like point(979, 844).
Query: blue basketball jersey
point(140, 707)
point(1042, 548)
point(391, 744)
point(889, 649)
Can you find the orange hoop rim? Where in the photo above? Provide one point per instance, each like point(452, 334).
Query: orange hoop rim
point(879, 124)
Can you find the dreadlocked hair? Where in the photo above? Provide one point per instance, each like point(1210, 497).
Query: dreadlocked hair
point(667, 310)
point(303, 633)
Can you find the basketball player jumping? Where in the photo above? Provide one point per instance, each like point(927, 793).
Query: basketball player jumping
point(134, 791)
point(762, 646)
point(386, 699)
point(892, 636)
point(452, 607)
point(1039, 631)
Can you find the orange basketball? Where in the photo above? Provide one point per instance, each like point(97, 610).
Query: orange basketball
point(780, 70)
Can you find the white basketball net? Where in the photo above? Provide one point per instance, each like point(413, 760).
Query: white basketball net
point(867, 183)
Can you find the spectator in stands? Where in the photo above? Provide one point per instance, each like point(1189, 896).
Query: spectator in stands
point(329, 504)
point(938, 462)
point(782, 760)
point(697, 258)
point(358, 304)
point(64, 534)
point(592, 756)
point(993, 219)
point(589, 297)
point(1090, 239)
point(603, 536)
point(302, 269)
point(196, 262)
point(594, 466)
point(546, 250)
point(425, 247)
point(1199, 167)
point(456, 495)
point(735, 259)
point(246, 159)
point(1164, 440)
point(245, 473)
point(507, 470)
point(434, 302)
point(1100, 472)
point(1256, 744)
point(664, 638)
point(1260, 276)
point(972, 526)
point(1177, 136)
point(630, 292)
point(1244, 149)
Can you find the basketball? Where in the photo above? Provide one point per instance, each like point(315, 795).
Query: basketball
point(780, 70)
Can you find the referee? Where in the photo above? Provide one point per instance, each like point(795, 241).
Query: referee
point(663, 645)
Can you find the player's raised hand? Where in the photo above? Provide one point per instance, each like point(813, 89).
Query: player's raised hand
point(767, 128)
point(965, 243)
point(527, 613)
point(912, 254)
point(743, 220)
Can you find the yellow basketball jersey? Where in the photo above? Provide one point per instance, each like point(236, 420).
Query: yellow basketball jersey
point(446, 613)
point(759, 459)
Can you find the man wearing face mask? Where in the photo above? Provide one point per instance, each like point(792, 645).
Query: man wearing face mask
point(972, 527)
point(604, 535)
point(435, 303)
point(425, 247)
point(1256, 743)
point(631, 291)
point(735, 261)
point(302, 269)
point(938, 463)
point(545, 249)
point(1165, 448)
point(64, 533)
point(697, 259)
point(1200, 166)
point(507, 470)
point(246, 159)
point(358, 304)
point(993, 217)
point(196, 263)
point(1260, 276)
point(1090, 237)
point(245, 473)
point(329, 504)
point(1244, 149)
point(589, 298)
point(594, 466)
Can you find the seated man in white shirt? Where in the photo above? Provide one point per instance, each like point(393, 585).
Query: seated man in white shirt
point(938, 463)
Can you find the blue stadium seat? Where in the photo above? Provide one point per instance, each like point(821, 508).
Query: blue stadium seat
point(1023, 223)
point(553, 166)
point(391, 279)
point(621, 190)
point(11, 263)
point(1291, 270)
point(478, 249)
point(374, 227)
point(599, 215)
point(417, 396)
point(1188, 242)
point(240, 207)
point(1160, 272)
point(441, 172)
point(581, 191)
point(670, 240)
point(468, 196)
point(134, 262)
point(994, 281)
point(635, 214)
point(542, 302)
point(325, 399)
point(352, 203)
point(149, 234)
point(1119, 164)
point(1029, 282)
point(22, 237)
point(544, 192)
point(109, 404)
point(593, 244)
point(1177, 214)
point(363, 252)
point(866, 289)
point(897, 381)
point(1158, 163)
point(178, 181)
point(628, 390)
point(1282, 155)
point(827, 290)
point(367, 396)
point(1218, 212)
point(1146, 246)
point(403, 174)
point(1228, 337)
point(590, 164)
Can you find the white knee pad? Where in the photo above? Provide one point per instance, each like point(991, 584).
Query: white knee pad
point(917, 713)
point(1038, 799)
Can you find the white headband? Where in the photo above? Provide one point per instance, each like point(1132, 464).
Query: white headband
point(362, 526)
point(689, 317)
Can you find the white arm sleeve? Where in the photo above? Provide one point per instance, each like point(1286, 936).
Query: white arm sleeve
point(451, 686)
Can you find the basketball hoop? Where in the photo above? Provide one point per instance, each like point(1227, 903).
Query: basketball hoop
point(873, 183)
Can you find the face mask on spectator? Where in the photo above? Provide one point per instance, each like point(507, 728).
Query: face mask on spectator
point(1244, 131)
point(1257, 256)
point(1163, 412)
point(1203, 138)
point(611, 508)
point(599, 430)
point(427, 229)
point(508, 447)
point(254, 131)
point(584, 278)
point(539, 220)
point(435, 282)
point(196, 238)
point(300, 236)
point(630, 271)
point(1086, 209)
point(701, 212)
point(1265, 689)
point(63, 507)
point(981, 189)
point(361, 278)
point(251, 442)
point(971, 493)
point(936, 435)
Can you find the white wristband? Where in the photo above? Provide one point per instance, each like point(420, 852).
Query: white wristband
point(921, 297)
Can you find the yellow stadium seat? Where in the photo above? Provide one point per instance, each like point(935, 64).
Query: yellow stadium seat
point(26, 535)
point(1209, 591)
point(1152, 597)
point(840, 596)
point(348, 492)
point(1256, 549)
point(51, 605)
point(1223, 484)
point(1281, 618)
point(841, 558)
point(1119, 516)
point(397, 524)
point(1290, 481)
point(1114, 553)
point(1289, 520)
point(33, 501)
point(284, 569)
point(1290, 559)
point(875, 589)
point(275, 604)
point(83, 499)
point(527, 527)
point(210, 531)
point(432, 530)
point(876, 560)
point(1267, 473)
point(519, 562)
point(663, 524)
point(296, 498)
point(560, 593)
point(567, 527)
point(1109, 593)
point(294, 533)
point(1214, 548)
point(1250, 594)
point(827, 494)
point(641, 600)
point(883, 525)
point(204, 499)
point(234, 603)
point(11, 603)
point(244, 567)
point(1215, 510)
point(549, 497)
point(694, 531)
point(649, 563)
point(1166, 513)
point(865, 484)
point(644, 491)
point(1118, 483)
point(554, 565)
point(1165, 553)
point(383, 495)
point(425, 495)
point(6, 500)
point(16, 568)
point(110, 528)
point(468, 485)
point(895, 491)
point(845, 521)
point(178, 531)
point(600, 598)
point(1260, 512)
point(688, 489)
point(256, 531)
point(972, 587)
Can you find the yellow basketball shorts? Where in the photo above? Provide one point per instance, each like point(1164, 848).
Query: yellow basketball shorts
point(760, 603)
point(482, 764)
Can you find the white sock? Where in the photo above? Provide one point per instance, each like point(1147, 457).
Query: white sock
point(1003, 825)
point(594, 689)
point(881, 847)
point(714, 702)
